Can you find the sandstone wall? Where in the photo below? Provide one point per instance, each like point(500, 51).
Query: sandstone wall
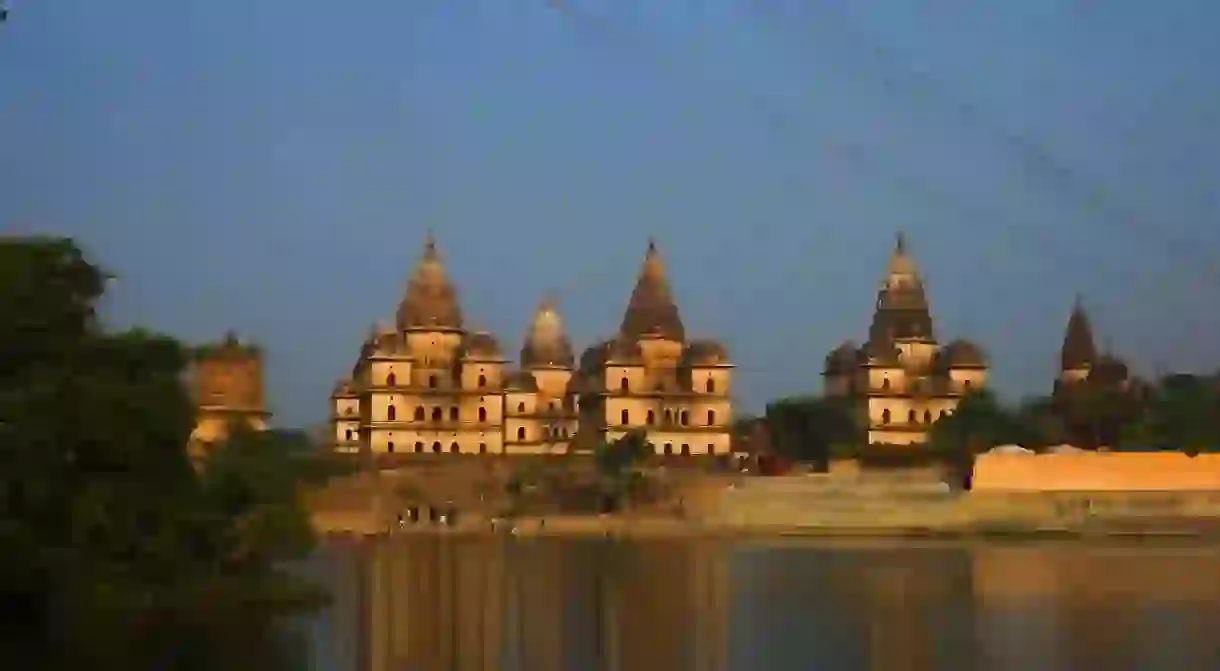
point(1096, 472)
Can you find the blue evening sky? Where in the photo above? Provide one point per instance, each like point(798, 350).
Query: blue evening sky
point(272, 166)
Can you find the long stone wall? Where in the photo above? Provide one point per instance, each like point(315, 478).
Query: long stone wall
point(1097, 472)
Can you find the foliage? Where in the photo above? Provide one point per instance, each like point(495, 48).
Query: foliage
point(116, 553)
point(1182, 411)
point(978, 423)
point(811, 429)
point(621, 466)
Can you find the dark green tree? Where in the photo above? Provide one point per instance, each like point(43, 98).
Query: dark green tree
point(114, 552)
point(620, 465)
point(809, 429)
point(1181, 412)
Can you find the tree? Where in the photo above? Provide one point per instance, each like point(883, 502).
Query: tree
point(116, 553)
point(1180, 412)
point(621, 465)
point(808, 428)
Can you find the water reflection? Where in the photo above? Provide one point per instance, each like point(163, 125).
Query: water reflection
point(505, 604)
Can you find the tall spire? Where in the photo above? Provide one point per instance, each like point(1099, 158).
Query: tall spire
point(1079, 349)
point(430, 300)
point(651, 311)
point(546, 343)
point(902, 306)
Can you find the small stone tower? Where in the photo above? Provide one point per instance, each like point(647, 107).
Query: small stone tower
point(227, 386)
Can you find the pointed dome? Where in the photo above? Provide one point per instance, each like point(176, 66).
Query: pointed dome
point(1079, 350)
point(901, 266)
point(546, 344)
point(651, 312)
point(430, 301)
point(902, 306)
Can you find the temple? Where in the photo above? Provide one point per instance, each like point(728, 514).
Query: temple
point(901, 378)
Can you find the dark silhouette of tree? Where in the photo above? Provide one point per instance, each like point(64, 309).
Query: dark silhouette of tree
point(808, 428)
point(1181, 412)
point(115, 552)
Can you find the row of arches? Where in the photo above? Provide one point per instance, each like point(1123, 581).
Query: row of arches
point(912, 416)
point(437, 448)
point(671, 417)
point(391, 380)
point(437, 415)
point(915, 385)
point(625, 385)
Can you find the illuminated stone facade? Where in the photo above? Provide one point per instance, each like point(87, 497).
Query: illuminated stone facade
point(226, 381)
point(650, 378)
point(428, 386)
point(902, 379)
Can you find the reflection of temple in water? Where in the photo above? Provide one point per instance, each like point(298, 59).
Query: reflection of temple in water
point(447, 602)
point(1081, 607)
point(441, 602)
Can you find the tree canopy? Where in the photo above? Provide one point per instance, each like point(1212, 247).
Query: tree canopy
point(114, 551)
point(808, 428)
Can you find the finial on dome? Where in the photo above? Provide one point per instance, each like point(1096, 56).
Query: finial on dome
point(429, 245)
point(900, 243)
point(652, 244)
point(548, 301)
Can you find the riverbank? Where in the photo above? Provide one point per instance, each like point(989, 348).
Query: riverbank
point(664, 527)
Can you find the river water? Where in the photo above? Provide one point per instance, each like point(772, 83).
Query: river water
point(449, 603)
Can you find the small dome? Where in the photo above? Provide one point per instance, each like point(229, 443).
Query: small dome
point(481, 345)
point(880, 352)
point(343, 388)
point(1109, 370)
point(546, 344)
point(521, 381)
point(842, 359)
point(621, 351)
point(963, 354)
point(705, 353)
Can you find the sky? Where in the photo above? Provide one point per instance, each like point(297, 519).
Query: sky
point(272, 167)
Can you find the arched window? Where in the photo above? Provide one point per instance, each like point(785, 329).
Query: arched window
point(911, 417)
point(482, 381)
point(432, 382)
point(711, 449)
point(966, 385)
point(711, 386)
point(436, 447)
point(347, 435)
point(685, 450)
point(521, 433)
point(622, 385)
point(390, 380)
point(419, 448)
point(885, 383)
point(453, 414)
point(437, 414)
point(482, 414)
point(389, 447)
point(521, 407)
point(669, 416)
point(885, 416)
point(391, 413)
point(482, 448)
point(927, 416)
point(419, 413)
point(941, 415)
point(454, 449)
point(685, 418)
point(669, 448)
point(711, 418)
point(652, 418)
point(624, 418)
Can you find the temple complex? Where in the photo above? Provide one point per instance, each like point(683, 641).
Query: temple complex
point(901, 379)
point(427, 385)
